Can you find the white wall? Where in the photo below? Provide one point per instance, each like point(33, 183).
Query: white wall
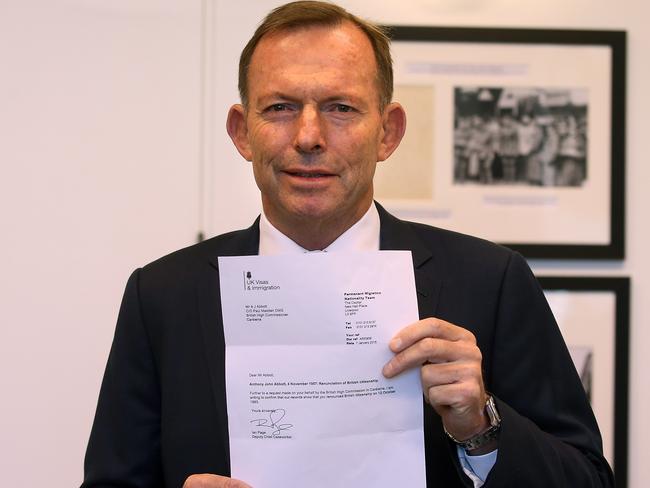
point(102, 139)
point(99, 169)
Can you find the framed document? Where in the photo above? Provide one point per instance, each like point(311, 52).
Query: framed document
point(593, 315)
point(514, 135)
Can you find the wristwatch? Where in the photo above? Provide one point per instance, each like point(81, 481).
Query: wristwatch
point(482, 438)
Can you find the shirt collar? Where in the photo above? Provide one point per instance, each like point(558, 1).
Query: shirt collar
point(362, 236)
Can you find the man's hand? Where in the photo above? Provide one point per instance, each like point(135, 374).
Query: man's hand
point(213, 481)
point(452, 379)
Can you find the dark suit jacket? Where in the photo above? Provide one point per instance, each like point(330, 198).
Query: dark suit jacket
point(162, 415)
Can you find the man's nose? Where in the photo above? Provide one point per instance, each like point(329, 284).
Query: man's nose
point(310, 133)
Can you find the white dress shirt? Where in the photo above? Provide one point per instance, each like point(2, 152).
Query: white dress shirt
point(364, 236)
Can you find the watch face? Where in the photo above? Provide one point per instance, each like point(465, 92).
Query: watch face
point(491, 409)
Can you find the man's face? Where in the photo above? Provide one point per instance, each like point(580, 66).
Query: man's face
point(313, 128)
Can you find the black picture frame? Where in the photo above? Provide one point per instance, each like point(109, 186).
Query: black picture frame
point(555, 246)
point(620, 287)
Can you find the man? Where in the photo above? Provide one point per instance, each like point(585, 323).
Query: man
point(530, 138)
point(316, 116)
point(508, 146)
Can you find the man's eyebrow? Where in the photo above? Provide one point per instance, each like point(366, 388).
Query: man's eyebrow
point(276, 96)
point(342, 97)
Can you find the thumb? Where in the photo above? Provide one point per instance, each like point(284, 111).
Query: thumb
point(213, 481)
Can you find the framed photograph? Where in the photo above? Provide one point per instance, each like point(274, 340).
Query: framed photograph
point(593, 315)
point(514, 135)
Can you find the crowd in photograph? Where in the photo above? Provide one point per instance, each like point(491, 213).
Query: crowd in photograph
point(547, 149)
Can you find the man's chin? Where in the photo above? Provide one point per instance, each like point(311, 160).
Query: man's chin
point(313, 213)
point(314, 209)
point(311, 210)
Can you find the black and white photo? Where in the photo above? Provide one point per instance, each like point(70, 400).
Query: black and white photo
point(520, 136)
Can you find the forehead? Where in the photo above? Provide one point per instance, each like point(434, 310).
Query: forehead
point(340, 52)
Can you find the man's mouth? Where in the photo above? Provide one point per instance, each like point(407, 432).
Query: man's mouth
point(309, 174)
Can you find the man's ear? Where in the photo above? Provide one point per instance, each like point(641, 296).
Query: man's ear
point(394, 126)
point(238, 130)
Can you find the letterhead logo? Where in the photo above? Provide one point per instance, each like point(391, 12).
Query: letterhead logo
point(247, 278)
point(251, 284)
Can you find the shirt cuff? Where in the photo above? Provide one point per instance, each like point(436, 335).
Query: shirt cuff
point(477, 468)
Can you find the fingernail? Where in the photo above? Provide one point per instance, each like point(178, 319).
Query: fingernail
point(387, 370)
point(395, 344)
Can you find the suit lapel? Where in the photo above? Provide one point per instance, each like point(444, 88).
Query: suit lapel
point(242, 243)
point(396, 234)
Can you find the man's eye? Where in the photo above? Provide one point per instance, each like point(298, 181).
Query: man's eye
point(340, 107)
point(277, 107)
